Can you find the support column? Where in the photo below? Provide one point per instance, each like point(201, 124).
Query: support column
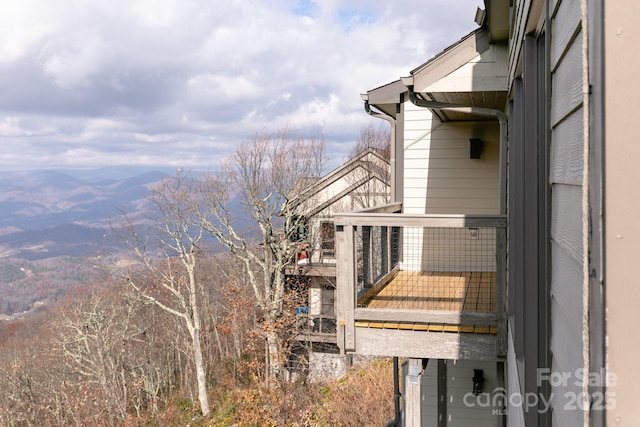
point(413, 394)
point(442, 393)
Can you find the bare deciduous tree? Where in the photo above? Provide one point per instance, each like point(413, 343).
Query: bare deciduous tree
point(261, 177)
point(94, 340)
point(372, 180)
point(172, 282)
point(373, 137)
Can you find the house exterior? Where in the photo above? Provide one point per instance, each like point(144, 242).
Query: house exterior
point(424, 277)
point(510, 239)
point(360, 182)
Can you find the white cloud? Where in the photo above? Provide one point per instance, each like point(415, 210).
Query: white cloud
point(72, 63)
point(143, 81)
point(211, 89)
point(10, 127)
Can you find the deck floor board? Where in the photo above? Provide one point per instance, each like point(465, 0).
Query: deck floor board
point(440, 291)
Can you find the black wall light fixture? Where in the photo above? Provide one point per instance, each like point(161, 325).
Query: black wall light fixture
point(478, 381)
point(475, 148)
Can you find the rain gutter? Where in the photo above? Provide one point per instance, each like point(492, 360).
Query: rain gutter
point(392, 136)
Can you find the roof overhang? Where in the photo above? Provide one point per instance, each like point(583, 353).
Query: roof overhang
point(497, 17)
point(371, 159)
point(386, 98)
point(471, 73)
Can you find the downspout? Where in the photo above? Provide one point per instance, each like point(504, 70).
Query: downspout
point(396, 395)
point(392, 160)
point(392, 136)
point(502, 120)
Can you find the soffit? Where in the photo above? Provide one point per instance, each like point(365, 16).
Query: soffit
point(498, 19)
point(495, 100)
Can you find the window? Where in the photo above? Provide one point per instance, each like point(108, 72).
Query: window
point(327, 239)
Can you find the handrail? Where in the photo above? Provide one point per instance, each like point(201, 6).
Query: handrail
point(421, 220)
point(388, 208)
point(353, 282)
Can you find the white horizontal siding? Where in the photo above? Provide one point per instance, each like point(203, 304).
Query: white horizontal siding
point(466, 173)
point(454, 159)
point(429, 395)
point(418, 122)
point(481, 205)
point(461, 195)
point(459, 383)
point(452, 180)
point(439, 177)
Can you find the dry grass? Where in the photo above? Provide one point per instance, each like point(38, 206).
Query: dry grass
point(363, 398)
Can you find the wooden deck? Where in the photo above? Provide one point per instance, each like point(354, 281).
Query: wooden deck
point(433, 291)
point(315, 269)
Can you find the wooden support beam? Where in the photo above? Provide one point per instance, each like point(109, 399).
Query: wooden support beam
point(404, 343)
point(425, 316)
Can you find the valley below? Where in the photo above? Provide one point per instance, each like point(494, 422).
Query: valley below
point(59, 230)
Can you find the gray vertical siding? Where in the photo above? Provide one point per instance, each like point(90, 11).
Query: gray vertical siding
point(567, 122)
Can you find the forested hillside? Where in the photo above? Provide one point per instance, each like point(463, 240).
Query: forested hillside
point(27, 284)
point(101, 356)
point(191, 320)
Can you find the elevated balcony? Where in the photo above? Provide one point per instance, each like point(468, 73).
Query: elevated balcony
point(430, 286)
point(317, 329)
point(320, 263)
point(315, 278)
point(311, 269)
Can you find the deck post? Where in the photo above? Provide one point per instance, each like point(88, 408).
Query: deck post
point(442, 393)
point(501, 284)
point(384, 243)
point(413, 393)
point(345, 287)
point(367, 273)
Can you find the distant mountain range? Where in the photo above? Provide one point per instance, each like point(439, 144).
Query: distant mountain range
point(46, 213)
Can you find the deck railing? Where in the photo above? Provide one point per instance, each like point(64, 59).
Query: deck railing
point(401, 269)
point(316, 328)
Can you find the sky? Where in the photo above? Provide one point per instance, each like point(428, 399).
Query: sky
point(179, 83)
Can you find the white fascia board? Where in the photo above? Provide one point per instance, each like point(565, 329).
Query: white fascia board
point(486, 72)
